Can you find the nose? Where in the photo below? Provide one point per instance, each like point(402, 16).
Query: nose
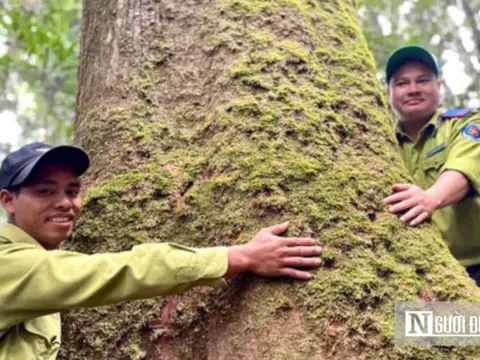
point(63, 202)
point(413, 88)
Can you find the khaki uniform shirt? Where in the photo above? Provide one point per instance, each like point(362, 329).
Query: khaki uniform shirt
point(37, 284)
point(449, 144)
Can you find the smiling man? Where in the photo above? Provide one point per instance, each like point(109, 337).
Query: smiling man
point(441, 150)
point(40, 190)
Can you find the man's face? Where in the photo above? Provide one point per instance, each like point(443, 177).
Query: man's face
point(47, 206)
point(414, 92)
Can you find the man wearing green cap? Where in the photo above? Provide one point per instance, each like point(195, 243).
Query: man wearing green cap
point(441, 150)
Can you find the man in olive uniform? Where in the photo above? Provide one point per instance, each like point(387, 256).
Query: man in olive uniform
point(441, 150)
point(40, 191)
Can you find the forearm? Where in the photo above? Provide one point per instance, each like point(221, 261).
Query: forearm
point(45, 282)
point(450, 189)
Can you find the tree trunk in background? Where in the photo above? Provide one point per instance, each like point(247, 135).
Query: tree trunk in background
point(208, 120)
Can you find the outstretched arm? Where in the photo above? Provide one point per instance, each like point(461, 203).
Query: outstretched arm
point(36, 282)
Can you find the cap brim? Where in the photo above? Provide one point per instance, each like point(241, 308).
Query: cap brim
point(409, 54)
point(70, 156)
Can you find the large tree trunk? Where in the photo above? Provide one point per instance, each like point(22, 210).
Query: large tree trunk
point(208, 120)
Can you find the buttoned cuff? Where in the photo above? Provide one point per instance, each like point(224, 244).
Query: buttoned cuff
point(206, 266)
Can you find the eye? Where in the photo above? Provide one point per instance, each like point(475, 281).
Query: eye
point(73, 192)
point(45, 191)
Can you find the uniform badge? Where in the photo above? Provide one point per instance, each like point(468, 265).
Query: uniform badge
point(472, 131)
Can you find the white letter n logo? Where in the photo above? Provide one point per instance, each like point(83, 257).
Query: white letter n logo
point(418, 323)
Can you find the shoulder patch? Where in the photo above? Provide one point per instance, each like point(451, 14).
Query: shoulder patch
point(472, 131)
point(456, 113)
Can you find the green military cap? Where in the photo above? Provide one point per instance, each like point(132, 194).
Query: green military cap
point(410, 53)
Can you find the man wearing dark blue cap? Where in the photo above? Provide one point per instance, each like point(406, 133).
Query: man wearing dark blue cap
point(441, 150)
point(25, 210)
point(40, 190)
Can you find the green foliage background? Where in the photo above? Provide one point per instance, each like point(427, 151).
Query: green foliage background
point(38, 66)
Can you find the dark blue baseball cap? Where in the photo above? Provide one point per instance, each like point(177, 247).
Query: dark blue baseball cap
point(20, 164)
point(410, 53)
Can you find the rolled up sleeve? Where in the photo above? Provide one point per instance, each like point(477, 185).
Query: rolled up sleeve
point(36, 282)
point(464, 151)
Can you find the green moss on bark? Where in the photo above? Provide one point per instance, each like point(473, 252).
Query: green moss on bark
point(278, 115)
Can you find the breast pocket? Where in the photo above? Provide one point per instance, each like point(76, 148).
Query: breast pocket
point(435, 162)
point(431, 167)
point(34, 339)
point(45, 333)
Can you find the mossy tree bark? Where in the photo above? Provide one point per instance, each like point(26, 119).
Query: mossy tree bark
point(208, 120)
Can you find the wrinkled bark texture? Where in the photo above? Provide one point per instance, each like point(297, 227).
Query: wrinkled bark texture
point(207, 120)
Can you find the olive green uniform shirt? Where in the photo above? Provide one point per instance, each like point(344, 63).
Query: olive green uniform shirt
point(37, 284)
point(442, 145)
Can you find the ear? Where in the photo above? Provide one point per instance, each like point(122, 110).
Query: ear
point(441, 83)
point(7, 201)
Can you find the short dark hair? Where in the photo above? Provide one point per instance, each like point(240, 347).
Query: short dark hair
point(14, 189)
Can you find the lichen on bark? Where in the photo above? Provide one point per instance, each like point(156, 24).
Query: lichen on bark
point(208, 120)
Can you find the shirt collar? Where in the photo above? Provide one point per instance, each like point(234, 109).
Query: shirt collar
point(432, 124)
point(16, 235)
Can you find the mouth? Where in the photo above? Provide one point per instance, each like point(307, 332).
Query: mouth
point(61, 220)
point(413, 101)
